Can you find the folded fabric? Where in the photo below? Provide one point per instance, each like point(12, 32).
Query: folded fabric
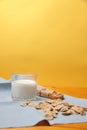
point(13, 115)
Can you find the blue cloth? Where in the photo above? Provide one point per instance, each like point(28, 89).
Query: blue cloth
point(13, 115)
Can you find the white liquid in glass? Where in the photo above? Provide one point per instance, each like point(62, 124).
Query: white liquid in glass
point(24, 89)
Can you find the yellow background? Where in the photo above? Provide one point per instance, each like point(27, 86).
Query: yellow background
point(48, 37)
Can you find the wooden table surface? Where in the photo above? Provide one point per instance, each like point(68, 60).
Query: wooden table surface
point(73, 91)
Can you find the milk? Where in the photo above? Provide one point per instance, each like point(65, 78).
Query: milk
point(24, 89)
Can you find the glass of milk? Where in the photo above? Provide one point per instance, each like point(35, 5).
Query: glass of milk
point(23, 86)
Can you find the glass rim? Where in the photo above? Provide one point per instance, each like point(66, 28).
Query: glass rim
point(21, 74)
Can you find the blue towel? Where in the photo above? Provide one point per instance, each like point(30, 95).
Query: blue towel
point(13, 115)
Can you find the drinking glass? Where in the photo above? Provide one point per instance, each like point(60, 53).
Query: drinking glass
point(23, 86)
